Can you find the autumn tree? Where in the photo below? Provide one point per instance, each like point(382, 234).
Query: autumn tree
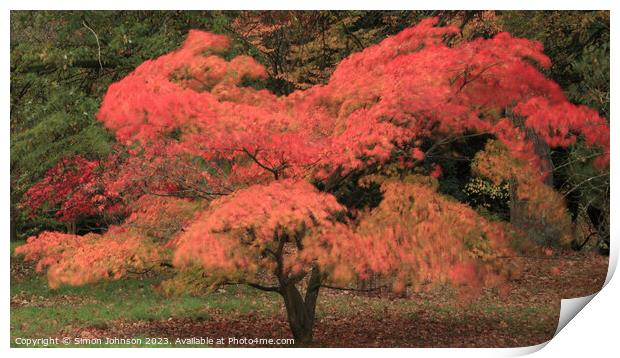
point(261, 189)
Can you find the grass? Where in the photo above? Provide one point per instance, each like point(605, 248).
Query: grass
point(59, 312)
point(47, 311)
point(38, 311)
point(41, 311)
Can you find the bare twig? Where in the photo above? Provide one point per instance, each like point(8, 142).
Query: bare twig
point(98, 44)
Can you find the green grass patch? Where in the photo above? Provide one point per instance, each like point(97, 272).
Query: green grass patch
point(40, 311)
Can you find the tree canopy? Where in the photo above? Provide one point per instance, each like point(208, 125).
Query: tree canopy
point(213, 171)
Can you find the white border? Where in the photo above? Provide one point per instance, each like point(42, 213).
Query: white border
point(592, 332)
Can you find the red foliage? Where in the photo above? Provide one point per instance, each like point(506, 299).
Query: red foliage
point(192, 101)
point(413, 85)
point(376, 104)
point(202, 132)
point(70, 189)
point(557, 124)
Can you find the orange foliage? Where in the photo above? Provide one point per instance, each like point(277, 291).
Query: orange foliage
point(543, 207)
point(247, 231)
point(197, 129)
point(415, 235)
point(142, 242)
point(418, 237)
point(77, 260)
point(160, 217)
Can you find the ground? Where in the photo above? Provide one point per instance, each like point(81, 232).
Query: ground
point(526, 315)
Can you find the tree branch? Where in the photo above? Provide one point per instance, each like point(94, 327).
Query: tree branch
point(98, 44)
point(264, 288)
point(255, 159)
point(252, 284)
point(353, 289)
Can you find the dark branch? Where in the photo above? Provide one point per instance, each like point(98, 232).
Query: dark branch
point(274, 171)
point(354, 289)
point(252, 284)
point(264, 288)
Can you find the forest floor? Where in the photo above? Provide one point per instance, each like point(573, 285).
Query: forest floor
point(131, 308)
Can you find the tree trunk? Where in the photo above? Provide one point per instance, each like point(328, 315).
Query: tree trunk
point(533, 226)
point(541, 148)
point(71, 227)
point(301, 311)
